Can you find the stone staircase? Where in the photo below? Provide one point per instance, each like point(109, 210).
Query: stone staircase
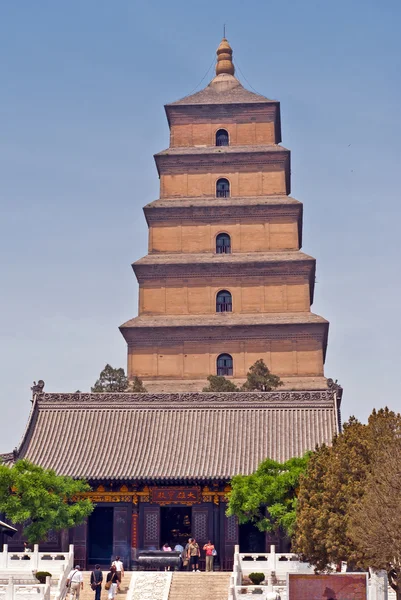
point(199, 586)
point(88, 594)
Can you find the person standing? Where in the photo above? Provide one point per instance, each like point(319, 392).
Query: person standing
point(96, 581)
point(209, 548)
point(194, 553)
point(166, 548)
point(75, 582)
point(118, 564)
point(111, 582)
point(185, 556)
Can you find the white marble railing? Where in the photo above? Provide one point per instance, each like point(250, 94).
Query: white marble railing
point(24, 591)
point(276, 571)
point(274, 567)
point(53, 562)
point(61, 590)
point(21, 567)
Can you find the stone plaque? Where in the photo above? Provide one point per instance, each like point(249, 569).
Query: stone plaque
point(338, 586)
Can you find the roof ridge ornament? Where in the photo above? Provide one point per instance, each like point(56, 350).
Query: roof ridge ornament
point(224, 58)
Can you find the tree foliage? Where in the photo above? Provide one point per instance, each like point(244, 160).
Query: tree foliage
point(335, 481)
point(374, 524)
point(41, 499)
point(217, 383)
point(259, 378)
point(137, 386)
point(268, 497)
point(111, 380)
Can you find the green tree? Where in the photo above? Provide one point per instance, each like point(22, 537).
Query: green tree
point(259, 378)
point(268, 497)
point(374, 524)
point(335, 480)
point(217, 383)
point(136, 385)
point(41, 499)
point(111, 380)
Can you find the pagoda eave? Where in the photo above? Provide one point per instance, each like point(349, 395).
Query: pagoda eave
point(207, 159)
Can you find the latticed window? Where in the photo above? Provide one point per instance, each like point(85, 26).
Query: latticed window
point(223, 188)
point(224, 365)
point(222, 137)
point(223, 244)
point(224, 301)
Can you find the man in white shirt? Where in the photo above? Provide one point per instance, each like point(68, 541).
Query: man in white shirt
point(118, 564)
point(75, 582)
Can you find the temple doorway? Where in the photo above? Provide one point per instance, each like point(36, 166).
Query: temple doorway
point(175, 525)
point(100, 538)
point(251, 539)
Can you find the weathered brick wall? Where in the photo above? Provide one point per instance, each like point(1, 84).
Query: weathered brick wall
point(269, 181)
point(199, 296)
point(204, 134)
point(247, 235)
point(197, 360)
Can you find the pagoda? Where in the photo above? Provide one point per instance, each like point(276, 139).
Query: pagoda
point(224, 282)
point(223, 285)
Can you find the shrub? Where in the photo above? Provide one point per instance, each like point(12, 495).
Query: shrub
point(41, 576)
point(256, 578)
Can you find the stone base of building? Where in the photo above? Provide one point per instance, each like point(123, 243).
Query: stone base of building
point(169, 386)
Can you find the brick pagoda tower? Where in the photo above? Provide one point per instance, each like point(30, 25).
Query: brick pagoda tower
point(224, 282)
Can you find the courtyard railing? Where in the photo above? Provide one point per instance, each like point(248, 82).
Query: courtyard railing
point(13, 590)
point(17, 574)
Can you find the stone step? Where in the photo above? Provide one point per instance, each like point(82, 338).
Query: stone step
point(88, 594)
point(199, 586)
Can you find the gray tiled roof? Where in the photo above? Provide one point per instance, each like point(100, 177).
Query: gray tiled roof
point(232, 201)
point(229, 319)
point(174, 436)
point(226, 259)
point(212, 95)
point(218, 150)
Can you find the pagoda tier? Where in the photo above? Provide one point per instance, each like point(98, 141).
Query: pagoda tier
point(225, 282)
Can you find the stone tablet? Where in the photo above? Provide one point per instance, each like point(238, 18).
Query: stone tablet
point(337, 586)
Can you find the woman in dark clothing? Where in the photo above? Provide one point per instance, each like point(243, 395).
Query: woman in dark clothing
point(96, 581)
point(112, 578)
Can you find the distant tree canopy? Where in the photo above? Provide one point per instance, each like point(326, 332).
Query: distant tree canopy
point(136, 385)
point(349, 502)
point(374, 524)
point(42, 500)
point(268, 497)
point(111, 380)
point(115, 380)
point(258, 379)
point(218, 383)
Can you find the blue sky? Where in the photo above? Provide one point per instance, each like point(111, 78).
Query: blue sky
point(83, 86)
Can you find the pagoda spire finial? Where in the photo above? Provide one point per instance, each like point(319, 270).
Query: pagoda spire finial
point(225, 58)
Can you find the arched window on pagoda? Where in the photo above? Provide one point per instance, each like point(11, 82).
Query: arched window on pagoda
point(224, 365)
point(223, 244)
point(222, 138)
point(224, 302)
point(222, 188)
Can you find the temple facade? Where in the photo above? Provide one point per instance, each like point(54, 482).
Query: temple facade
point(224, 284)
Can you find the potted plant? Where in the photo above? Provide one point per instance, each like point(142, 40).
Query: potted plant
point(41, 576)
point(257, 579)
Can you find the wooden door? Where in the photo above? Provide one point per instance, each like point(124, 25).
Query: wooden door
point(151, 528)
point(122, 534)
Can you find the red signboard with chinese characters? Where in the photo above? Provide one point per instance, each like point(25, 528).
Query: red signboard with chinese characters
point(175, 495)
point(338, 586)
